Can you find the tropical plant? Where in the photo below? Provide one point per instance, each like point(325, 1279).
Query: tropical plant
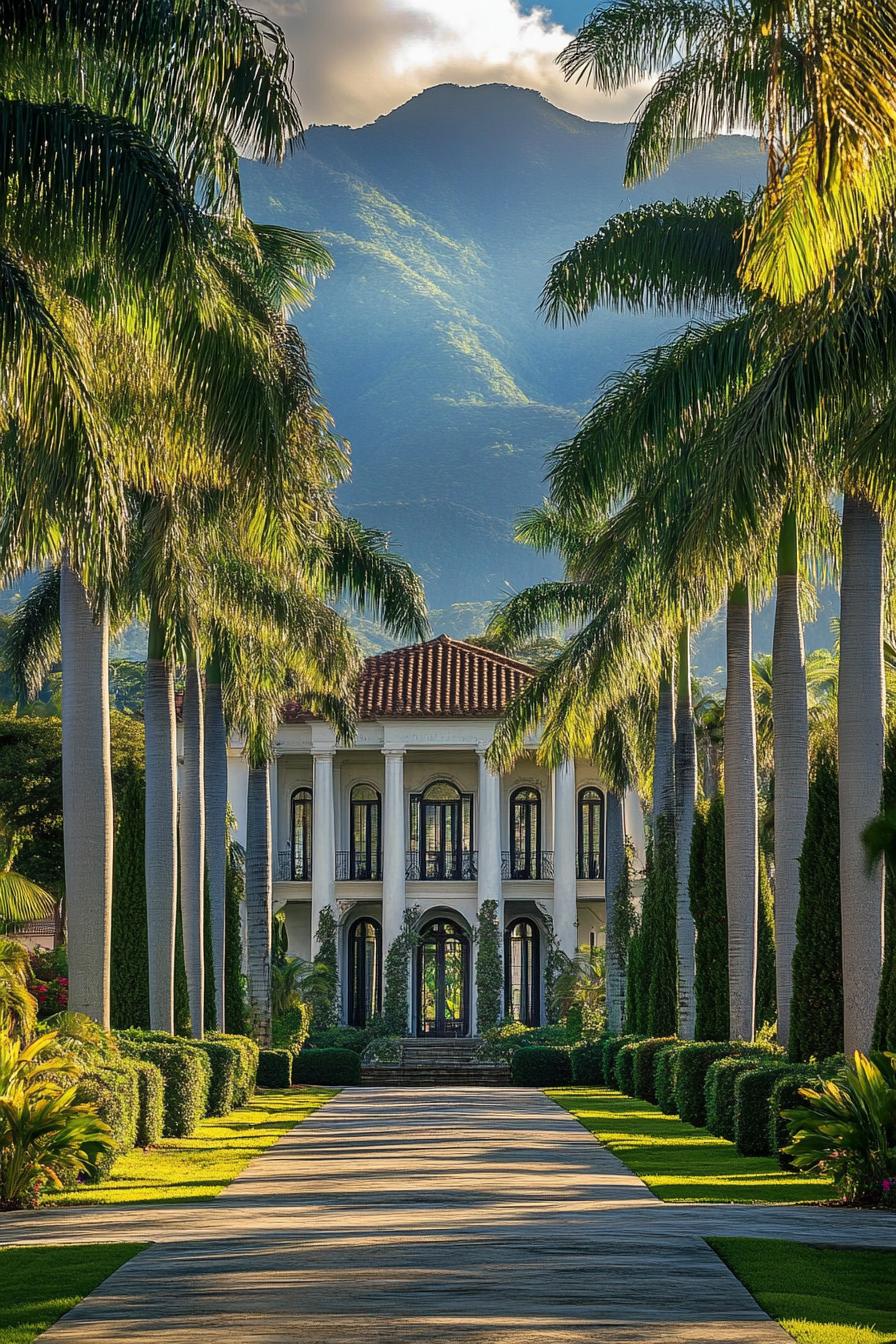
point(18, 1007)
point(580, 991)
point(47, 1137)
point(20, 898)
point(848, 1129)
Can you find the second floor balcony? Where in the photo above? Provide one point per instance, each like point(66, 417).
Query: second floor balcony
point(534, 865)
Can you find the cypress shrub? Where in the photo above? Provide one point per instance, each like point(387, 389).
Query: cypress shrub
point(185, 1074)
point(226, 1065)
point(885, 1021)
point(635, 990)
point(752, 1107)
point(151, 1103)
point(538, 1066)
point(665, 1076)
point(341, 1067)
point(274, 1068)
point(244, 1084)
point(710, 910)
point(766, 988)
point(129, 958)
point(235, 1015)
point(587, 1063)
point(645, 1053)
point(721, 1077)
point(659, 955)
point(624, 1068)
point(816, 1015)
point(181, 993)
point(694, 1060)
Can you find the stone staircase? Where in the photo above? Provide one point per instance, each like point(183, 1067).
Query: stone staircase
point(437, 1062)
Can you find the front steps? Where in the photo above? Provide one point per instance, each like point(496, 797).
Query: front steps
point(437, 1062)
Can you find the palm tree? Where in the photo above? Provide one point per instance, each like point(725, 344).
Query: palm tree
point(685, 807)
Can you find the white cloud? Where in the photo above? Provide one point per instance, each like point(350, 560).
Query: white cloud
point(356, 59)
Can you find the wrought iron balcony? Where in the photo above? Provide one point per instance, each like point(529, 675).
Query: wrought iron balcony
point(536, 866)
point(358, 866)
point(589, 867)
point(438, 865)
point(287, 871)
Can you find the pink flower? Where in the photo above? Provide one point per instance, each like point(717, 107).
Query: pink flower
point(886, 1185)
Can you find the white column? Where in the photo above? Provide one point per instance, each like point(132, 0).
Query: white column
point(489, 862)
point(323, 840)
point(393, 847)
point(276, 843)
point(565, 857)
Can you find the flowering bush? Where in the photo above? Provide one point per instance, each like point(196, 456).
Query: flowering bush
point(49, 980)
point(848, 1129)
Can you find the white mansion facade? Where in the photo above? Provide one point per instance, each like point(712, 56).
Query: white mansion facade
point(410, 817)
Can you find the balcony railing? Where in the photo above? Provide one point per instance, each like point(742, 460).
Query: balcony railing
point(438, 865)
point(357, 866)
point(287, 871)
point(589, 868)
point(537, 866)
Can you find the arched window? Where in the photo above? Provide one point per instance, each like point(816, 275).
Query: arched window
point(365, 972)
point(442, 832)
point(525, 834)
point(443, 978)
point(522, 980)
point(366, 852)
point(591, 832)
point(301, 835)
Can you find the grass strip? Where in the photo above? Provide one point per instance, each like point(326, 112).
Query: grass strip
point(678, 1161)
point(179, 1171)
point(819, 1294)
point(42, 1283)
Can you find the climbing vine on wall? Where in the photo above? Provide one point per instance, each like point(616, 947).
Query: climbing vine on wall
point(322, 986)
point(489, 979)
point(396, 997)
point(555, 962)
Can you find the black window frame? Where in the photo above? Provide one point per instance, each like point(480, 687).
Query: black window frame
point(534, 972)
point(301, 871)
point(590, 867)
point(531, 867)
point(441, 864)
point(369, 866)
point(356, 1019)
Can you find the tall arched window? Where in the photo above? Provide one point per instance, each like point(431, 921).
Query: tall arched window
point(442, 832)
point(364, 971)
point(525, 834)
point(522, 980)
point(591, 832)
point(365, 863)
point(301, 835)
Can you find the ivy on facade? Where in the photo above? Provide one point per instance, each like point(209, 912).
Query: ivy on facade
point(396, 976)
point(489, 977)
point(323, 988)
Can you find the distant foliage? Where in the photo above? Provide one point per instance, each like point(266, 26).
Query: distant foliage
point(766, 987)
point(816, 1023)
point(710, 911)
point(489, 975)
point(129, 957)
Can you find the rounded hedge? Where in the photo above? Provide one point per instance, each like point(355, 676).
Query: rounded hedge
point(225, 1064)
point(113, 1092)
point(752, 1108)
point(274, 1068)
point(721, 1077)
point(694, 1059)
point(587, 1062)
point(185, 1072)
point(784, 1096)
point(624, 1068)
point(247, 1049)
point(151, 1097)
point(541, 1066)
point(645, 1053)
point(665, 1075)
point(611, 1047)
point(329, 1067)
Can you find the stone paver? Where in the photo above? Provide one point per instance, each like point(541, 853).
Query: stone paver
point(485, 1216)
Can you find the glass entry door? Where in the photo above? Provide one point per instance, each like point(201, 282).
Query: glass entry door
point(443, 963)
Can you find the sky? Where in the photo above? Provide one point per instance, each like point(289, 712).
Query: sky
point(358, 59)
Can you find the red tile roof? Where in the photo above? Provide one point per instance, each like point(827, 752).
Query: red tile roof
point(443, 678)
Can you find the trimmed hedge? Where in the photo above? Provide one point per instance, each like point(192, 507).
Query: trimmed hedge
point(225, 1065)
point(665, 1076)
point(624, 1068)
point(784, 1096)
point(752, 1108)
point(329, 1067)
point(587, 1063)
point(694, 1059)
point(186, 1074)
point(274, 1068)
point(645, 1053)
point(721, 1078)
point(244, 1083)
point(113, 1091)
point(151, 1099)
point(540, 1066)
point(611, 1047)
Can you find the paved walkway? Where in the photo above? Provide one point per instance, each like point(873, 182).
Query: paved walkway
point(483, 1216)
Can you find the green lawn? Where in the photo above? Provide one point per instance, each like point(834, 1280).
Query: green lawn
point(680, 1162)
point(178, 1170)
point(42, 1283)
point(821, 1295)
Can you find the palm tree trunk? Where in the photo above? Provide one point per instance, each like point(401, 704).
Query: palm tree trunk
point(612, 877)
point(664, 752)
point(259, 900)
point(216, 824)
point(860, 709)
point(160, 861)
point(790, 719)
point(192, 846)
point(86, 797)
point(685, 804)
point(741, 817)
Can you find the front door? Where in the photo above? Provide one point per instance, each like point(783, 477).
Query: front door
point(443, 972)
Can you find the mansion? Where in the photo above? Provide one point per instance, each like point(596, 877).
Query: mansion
point(409, 817)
